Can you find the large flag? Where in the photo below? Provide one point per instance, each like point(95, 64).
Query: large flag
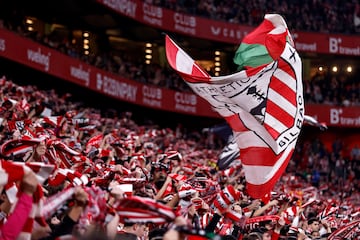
point(263, 104)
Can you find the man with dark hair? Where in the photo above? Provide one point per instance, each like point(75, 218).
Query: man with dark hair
point(314, 225)
point(132, 231)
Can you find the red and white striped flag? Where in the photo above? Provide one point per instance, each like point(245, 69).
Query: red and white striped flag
point(263, 104)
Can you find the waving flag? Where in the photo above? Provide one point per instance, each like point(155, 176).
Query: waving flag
point(263, 104)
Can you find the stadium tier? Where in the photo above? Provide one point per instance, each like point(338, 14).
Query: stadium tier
point(144, 120)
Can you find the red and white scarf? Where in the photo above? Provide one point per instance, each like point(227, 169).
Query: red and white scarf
point(11, 172)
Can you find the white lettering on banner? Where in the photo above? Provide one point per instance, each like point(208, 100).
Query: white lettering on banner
point(310, 47)
point(184, 98)
point(185, 108)
point(151, 92)
point(80, 73)
point(227, 33)
point(349, 51)
point(115, 88)
point(185, 102)
point(185, 20)
point(152, 102)
point(333, 44)
point(336, 118)
point(335, 47)
point(152, 96)
point(334, 115)
point(2, 45)
point(125, 7)
point(185, 23)
point(152, 14)
point(38, 57)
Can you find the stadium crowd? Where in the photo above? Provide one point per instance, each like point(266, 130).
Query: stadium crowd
point(325, 88)
point(103, 177)
point(67, 171)
point(316, 16)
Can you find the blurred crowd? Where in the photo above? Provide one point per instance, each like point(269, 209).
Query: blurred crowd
point(69, 172)
point(333, 89)
point(316, 16)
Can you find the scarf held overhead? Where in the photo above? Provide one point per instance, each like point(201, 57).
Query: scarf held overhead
point(263, 104)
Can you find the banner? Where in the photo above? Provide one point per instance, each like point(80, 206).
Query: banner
point(34, 55)
point(226, 32)
point(31, 54)
point(334, 115)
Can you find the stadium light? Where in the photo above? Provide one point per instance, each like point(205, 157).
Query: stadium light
point(349, 69)
point(217, 62)
point(86, 42)
point(29, 22)
point(148, 53)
